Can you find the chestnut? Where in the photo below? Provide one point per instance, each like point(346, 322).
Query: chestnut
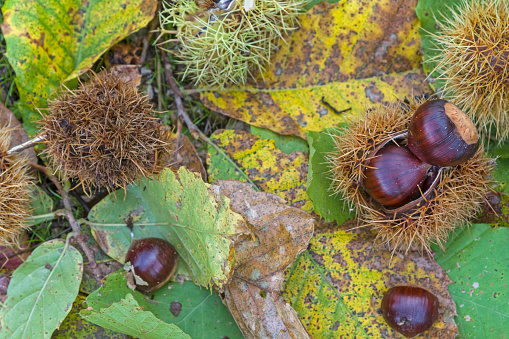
point(153, 260)
point(394, 175)
point(410, 310)
point(441, 134)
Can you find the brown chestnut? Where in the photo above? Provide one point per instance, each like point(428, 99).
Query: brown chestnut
point(394, 175)
point(410, 310)
point(153, 260)
point(441, 134)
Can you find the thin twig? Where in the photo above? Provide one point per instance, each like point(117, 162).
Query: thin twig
point(80, 239)
point(27, 144)
point(195, 131)
point(146, 39)
point(182, 115)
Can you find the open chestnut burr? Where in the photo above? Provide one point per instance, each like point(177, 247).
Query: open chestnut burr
point(416, 202)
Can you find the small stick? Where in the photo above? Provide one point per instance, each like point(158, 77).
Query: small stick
point(195, 132)
point(27, 144)
point(72, 221)
point(326, 103)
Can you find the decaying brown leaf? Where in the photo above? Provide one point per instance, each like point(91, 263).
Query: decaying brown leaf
point(128, 73)
point(185, 155)
point(282, 232)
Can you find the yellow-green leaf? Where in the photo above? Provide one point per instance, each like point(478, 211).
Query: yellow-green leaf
point(50, 42)
point(271, 169)
point(346, 55)
point(180, 208)
point(337, 286)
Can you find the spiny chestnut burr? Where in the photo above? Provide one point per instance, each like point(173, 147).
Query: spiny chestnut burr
point(393, 176)
point(410, 310)
point(440, 134)
point(153, 260)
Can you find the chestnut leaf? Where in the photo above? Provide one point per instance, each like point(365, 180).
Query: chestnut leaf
point(260, 160)
point(127, 317)
point(179, 208)
point(475, 259)
point(52, 42)
point(202, 314)
point(325, 203)
point(41, 291)
point(343, 56)
point(282, 232)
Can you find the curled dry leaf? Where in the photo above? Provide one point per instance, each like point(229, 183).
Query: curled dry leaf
point(185, 155)
point(282, 232)
point(128, 73)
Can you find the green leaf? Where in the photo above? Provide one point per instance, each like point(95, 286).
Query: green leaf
point(41, 207)
point(74, 326)
point(285, 143)
point(203, 315)
point(428, 12)
point(184, 210)
point(331, 207)
point(41, 291)
point(50, 42)
point(126, 316)
point(475, 260)
point(501, 174)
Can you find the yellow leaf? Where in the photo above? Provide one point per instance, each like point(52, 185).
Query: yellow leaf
point(346, 55)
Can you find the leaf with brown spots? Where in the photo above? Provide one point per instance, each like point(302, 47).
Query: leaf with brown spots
point(281, 233)
point(346, 55)
point(337, 286)
point(51, 42)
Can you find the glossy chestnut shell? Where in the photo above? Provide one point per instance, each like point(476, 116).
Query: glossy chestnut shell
point(154, 260)
point(410, 310)
point(394, 175)
point(441, 134)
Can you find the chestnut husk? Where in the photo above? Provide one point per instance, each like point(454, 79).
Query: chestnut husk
point(154, 260)
point(450, 196)
point(394, 175)
point(410, 310)
point(440, 134)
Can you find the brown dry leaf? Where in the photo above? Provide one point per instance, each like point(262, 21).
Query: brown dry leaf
point(128, 73)
point(282, 232)
point(187, 157)
point(18, 135)
point(337, 285)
